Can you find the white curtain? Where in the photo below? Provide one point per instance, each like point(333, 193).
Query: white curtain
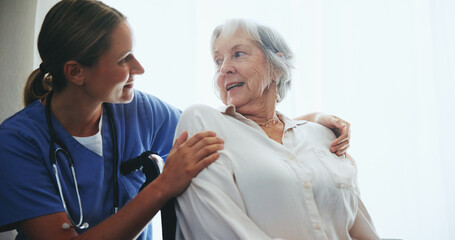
point(387, 66)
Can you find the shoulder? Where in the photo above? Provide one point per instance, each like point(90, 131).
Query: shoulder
point(148, 108)
point(148, 101)
point(26, 124)
point(26, 114)
point(199, 110)
point(202, 114)
point(148, 117)
point(319, 129)
point(200, 117)
point(145, 98)
point(318, 133)
point(24, 147)
point(24, 137)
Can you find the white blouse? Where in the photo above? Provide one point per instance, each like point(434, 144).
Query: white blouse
point(260, 189)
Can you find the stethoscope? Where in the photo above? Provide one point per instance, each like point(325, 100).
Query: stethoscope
point(62, 149)
point(149, 162)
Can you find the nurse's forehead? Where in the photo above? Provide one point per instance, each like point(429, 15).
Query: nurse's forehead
point(122, 39)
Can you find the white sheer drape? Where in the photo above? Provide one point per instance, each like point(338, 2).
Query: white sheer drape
point(387, 66)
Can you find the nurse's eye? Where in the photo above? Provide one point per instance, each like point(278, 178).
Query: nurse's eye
point(126, 59)
point(238, 54)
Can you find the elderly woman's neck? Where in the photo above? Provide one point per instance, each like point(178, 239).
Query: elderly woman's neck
point(266, 117)
point(261, 112)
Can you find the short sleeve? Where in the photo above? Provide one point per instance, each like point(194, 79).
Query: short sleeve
point(157, 122)
point(27, 188)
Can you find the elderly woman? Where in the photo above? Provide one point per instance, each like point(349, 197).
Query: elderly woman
point(276, 177)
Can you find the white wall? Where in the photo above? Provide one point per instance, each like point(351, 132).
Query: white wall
point(17, 25)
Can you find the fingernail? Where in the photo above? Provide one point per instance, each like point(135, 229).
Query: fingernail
point(345, 155)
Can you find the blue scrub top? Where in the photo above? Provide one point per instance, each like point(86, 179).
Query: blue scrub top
point(28, 187)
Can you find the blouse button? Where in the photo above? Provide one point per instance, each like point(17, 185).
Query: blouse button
point(307, 185)
point(317, 226)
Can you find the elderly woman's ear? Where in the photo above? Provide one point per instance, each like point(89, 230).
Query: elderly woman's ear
point(278, 73)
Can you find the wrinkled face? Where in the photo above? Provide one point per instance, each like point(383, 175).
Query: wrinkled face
point(242, 76)
point(111, 78)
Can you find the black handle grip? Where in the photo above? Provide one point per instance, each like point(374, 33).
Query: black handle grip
point(134, 164)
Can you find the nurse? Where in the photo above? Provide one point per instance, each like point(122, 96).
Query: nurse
point(82, 95)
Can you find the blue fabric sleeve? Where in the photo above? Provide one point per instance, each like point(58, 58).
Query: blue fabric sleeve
point(28, 184)
point(27, 189)
point(162, 119)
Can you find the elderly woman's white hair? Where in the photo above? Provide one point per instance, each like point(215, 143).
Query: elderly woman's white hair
point(276, 51)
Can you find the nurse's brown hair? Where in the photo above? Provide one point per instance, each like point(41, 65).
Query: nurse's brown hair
point(76, 30)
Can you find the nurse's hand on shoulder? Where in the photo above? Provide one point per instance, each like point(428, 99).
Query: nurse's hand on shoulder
point(187, 158)
point(340, 127)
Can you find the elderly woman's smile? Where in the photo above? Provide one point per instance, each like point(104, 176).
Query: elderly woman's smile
point(233, 85)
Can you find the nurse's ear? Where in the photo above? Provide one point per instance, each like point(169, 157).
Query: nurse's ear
point(74, 72)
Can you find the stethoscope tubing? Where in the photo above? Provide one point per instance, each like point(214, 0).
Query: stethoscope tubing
point(53, 159)
point(78, 225)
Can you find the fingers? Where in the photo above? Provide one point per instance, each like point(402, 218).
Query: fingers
point(341, 144)
point(338, 123)
point(181, 139)
point(343, 137)
point(202, 144)
point(196, 148)
point(187, 158)
point(207, 145)
point(340, 149)
point(199, 136)
point(208, 150)
point(198, 167)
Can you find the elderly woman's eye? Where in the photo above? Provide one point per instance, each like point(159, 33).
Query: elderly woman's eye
point(239, 54)
point(218, 62)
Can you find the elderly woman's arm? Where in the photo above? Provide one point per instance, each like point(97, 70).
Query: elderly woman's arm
point(363, 227)
point(340, 127)
point(212, 208)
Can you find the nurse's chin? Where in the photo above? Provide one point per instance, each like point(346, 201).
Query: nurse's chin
point(127, 96)
point(130, 85)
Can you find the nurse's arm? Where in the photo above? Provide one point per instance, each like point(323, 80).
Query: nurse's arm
point(186, 159)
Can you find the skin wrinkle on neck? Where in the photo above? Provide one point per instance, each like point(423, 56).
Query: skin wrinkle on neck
point(266, 112)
